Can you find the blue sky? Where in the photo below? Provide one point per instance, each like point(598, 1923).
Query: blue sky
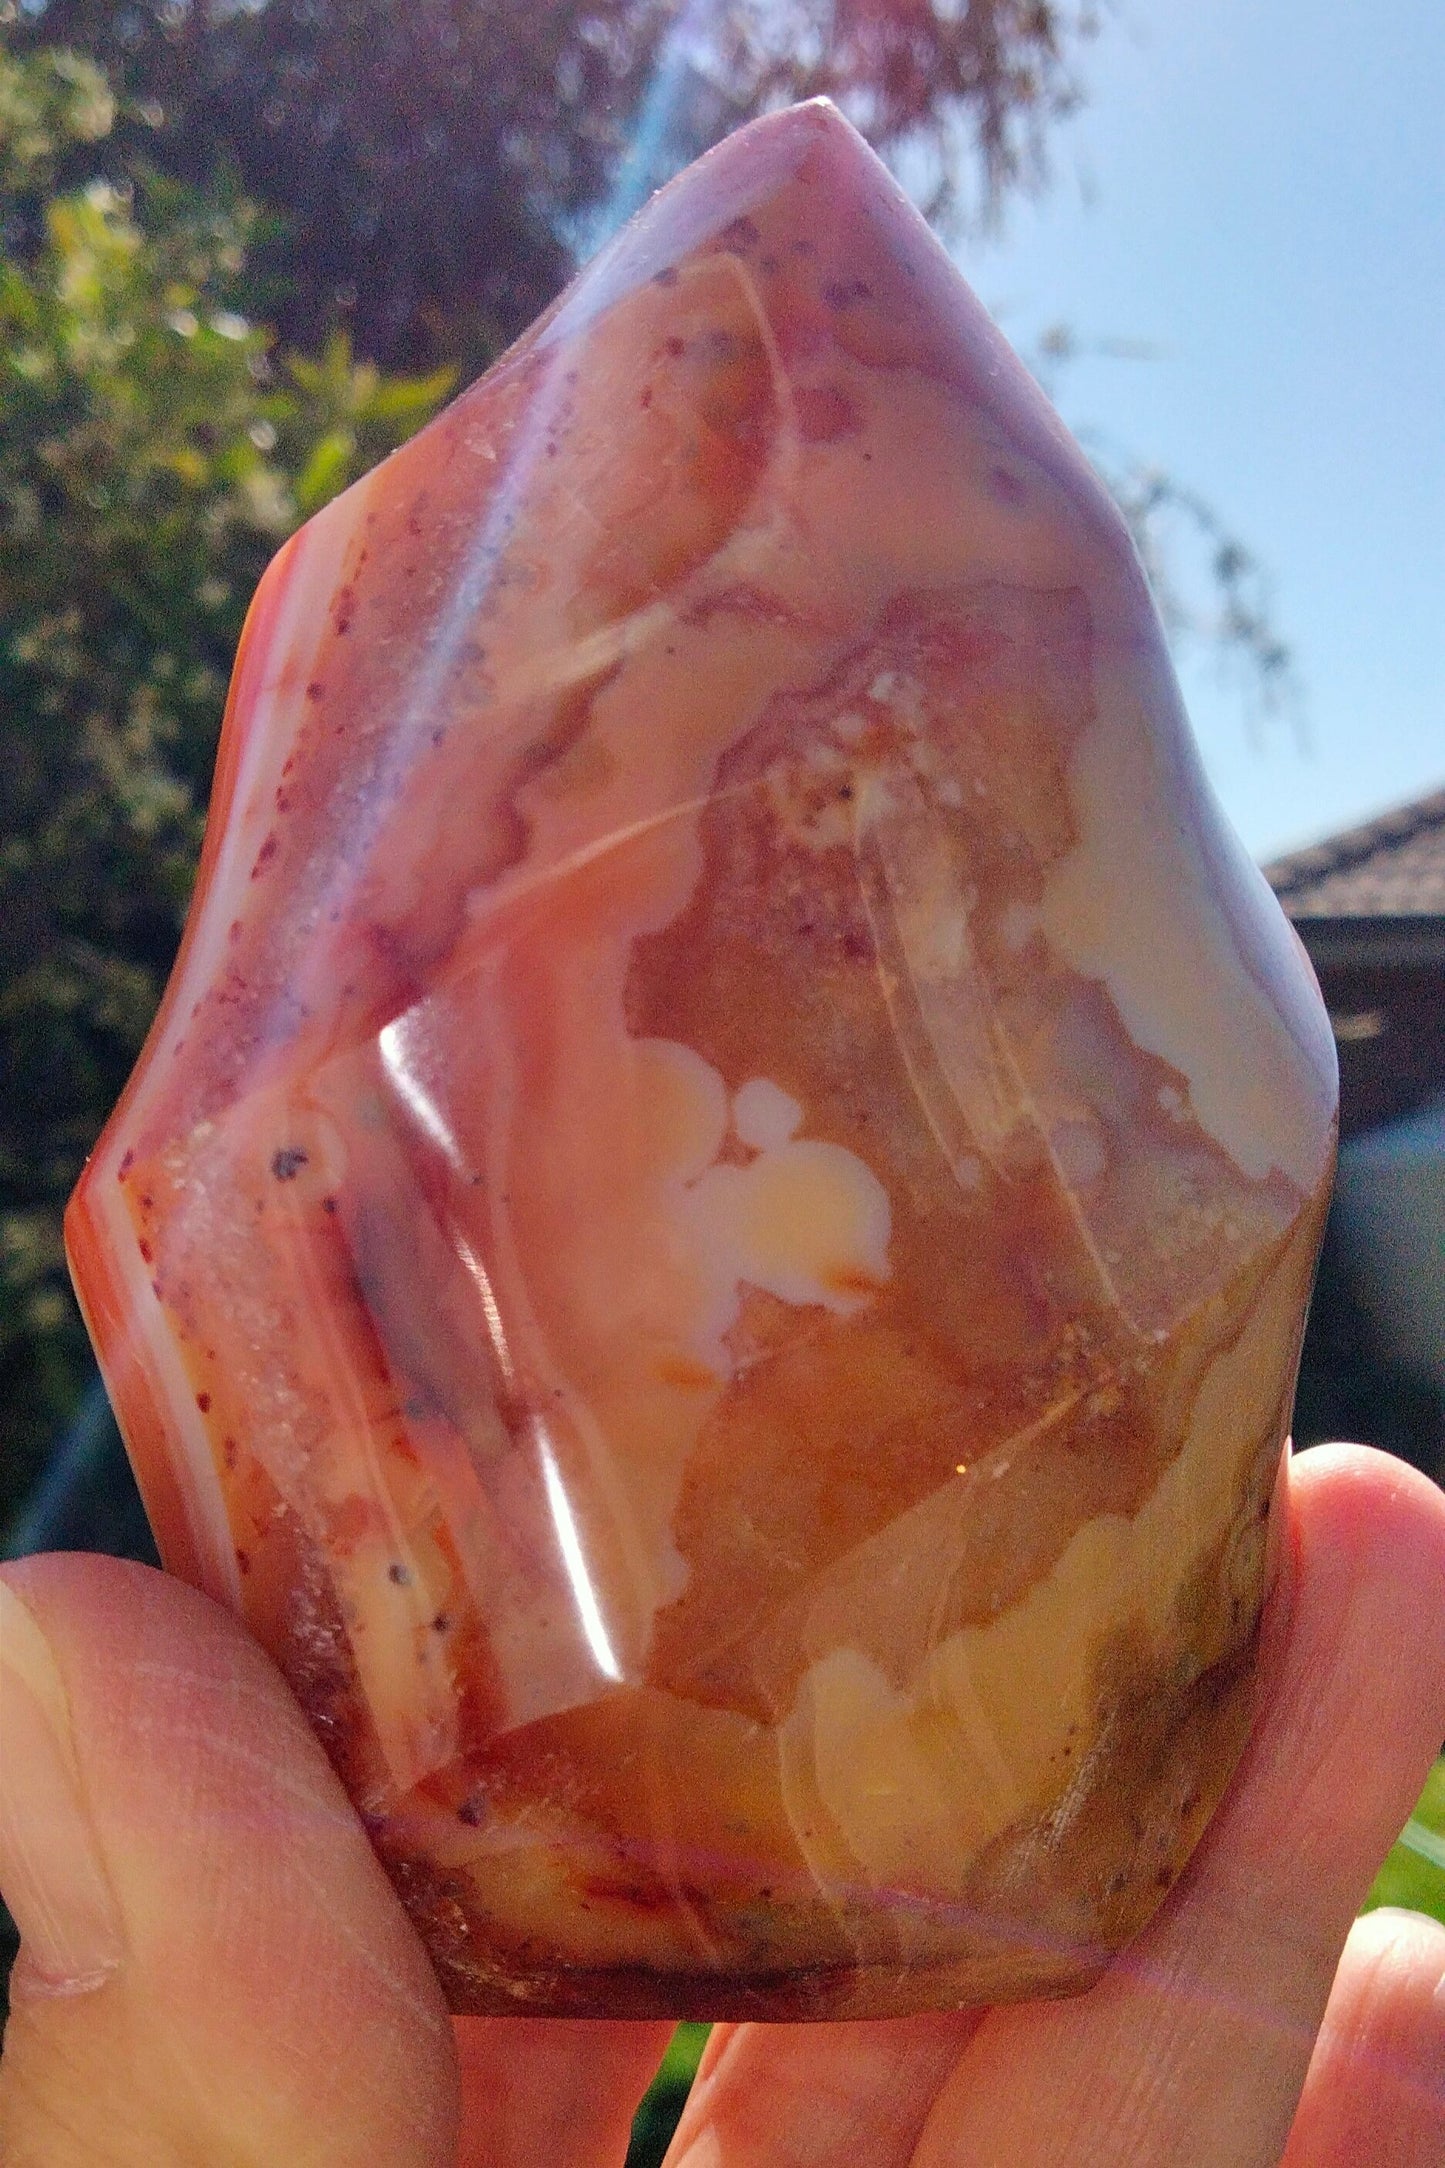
point(1256, 192)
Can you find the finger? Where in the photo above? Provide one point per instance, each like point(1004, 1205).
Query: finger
point(552, 2093)
point(1194, 2048)
point(806, 2095)
point(213, 1966)
point(1375, 2094)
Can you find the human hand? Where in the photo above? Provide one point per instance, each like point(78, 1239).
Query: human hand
point(215, 1970)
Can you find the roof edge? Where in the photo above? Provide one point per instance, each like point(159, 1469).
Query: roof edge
point(1352, 846)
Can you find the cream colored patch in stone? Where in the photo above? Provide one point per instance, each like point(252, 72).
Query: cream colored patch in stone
point(914, 892)
point(806, 1221)
point(1133, 906)
point(909, 1786)
point(765, 1116)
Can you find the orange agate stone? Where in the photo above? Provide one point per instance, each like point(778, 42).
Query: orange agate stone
point(711, 1242)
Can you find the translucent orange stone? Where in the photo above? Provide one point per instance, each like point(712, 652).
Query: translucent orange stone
point(710, 1244)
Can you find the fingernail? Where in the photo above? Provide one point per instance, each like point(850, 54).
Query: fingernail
point(1403, 1924)
point(51, 1869)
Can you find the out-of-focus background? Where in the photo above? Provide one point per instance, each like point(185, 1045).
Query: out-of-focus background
point(247, 246)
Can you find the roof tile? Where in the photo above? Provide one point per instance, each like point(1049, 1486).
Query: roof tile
point(1390, 867)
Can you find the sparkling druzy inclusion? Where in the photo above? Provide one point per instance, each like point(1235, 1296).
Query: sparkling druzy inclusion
point(711, 1242)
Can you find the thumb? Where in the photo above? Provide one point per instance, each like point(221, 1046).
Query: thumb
point(212, 1966)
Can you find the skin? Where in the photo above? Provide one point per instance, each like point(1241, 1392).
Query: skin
point(240, 1986)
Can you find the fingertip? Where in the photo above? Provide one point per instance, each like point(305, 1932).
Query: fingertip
point(262, 1944)
point(1363, 1498)
point(1370, 1533)
point(1391, 1933)
point(1375, 2090)
point(130, 1638)
point(1396, 1957)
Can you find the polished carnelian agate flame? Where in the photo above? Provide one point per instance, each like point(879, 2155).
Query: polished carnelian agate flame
point(711, 1242)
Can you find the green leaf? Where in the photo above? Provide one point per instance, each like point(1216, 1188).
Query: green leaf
point(326, 471)
point(1414, 1873)
point(657, 2118)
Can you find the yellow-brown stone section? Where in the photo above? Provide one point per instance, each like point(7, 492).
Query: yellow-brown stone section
point(711, 1241)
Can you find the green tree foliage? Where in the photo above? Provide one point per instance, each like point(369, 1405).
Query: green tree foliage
point(432, 159)
point(152, 455)
point(423, 156)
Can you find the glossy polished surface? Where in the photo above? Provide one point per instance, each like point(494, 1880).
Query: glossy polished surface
point(711, 1241)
